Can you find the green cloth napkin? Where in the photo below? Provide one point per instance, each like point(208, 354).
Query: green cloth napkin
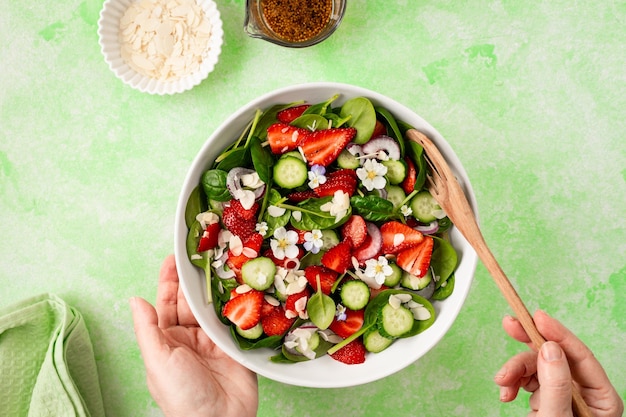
point(47, 366)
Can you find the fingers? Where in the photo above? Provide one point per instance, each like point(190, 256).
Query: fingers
point(167, 294)
point(555, 380)
point(147, 332)
point(518, 372)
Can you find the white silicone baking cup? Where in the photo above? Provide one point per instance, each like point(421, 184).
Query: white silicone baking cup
point(108, 33)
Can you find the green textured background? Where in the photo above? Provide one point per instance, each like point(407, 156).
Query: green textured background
point(531, 95)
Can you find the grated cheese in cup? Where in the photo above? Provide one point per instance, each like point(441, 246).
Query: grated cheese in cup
point(164, 39)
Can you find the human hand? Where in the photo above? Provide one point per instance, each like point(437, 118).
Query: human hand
point(549, 373)
point(187, 374)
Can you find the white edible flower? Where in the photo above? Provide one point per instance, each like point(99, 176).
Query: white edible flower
point(406, 210)
point(261, 228)
point(340, 313)
point(313, 241)
point(372, 175)
point(316, 176)
point(275, 211)
point(338, 206)
point(284, 243)
point(378, 269)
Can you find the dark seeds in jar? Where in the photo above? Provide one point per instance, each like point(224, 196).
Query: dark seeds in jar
point(297, 20)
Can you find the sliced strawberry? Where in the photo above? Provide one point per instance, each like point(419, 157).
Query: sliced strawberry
point(327, 277)
point(283, 137)
point(398, 237)
point(408, 184)
point(352, 324)
point(286, 262)
point(338, 258)
point(351, 354)
point(208, 240)
point(246, 214)
point(354, 230)
point(237, 225)
point(416, 260)
point(251, 249)
point(295, 304)
point(322, 147)
point(372, 245)
point(275, 323)
point(290, 114)
point(266, 308)
point(245, 309)
point(300, 196)
point(343, 179)
point(379, 129)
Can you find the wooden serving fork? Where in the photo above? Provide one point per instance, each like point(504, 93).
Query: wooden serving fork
point(446, 190)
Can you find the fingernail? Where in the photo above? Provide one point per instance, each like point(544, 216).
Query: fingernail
point(551, 351)
point(504, 394)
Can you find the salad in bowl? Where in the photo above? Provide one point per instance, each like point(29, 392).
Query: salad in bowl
point(308, 246)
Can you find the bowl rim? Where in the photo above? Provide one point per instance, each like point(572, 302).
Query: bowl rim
point(310, 373)
point(108, 39)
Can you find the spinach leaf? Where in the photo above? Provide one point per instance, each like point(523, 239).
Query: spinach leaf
point(418, 325)
point(417, 155)
point(239, 157)
point(271, 342)
point(262, 159)
point(444, 259)
point(372, 208)
point(336, 120)
point(444, 291)
point(321, 308)
point(321, 108)
point(274, 223)
point(311, 122)
point(214, 185)
point(197, 203)
point(362, 117)
point(391, 121)
point(314, 218)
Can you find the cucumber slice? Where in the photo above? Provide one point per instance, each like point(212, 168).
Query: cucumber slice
point(396, 170)
point(355, 294)
point(413, 282)
point(347, 160)
point(395, 277)
point(290, 172)
point(374, 342)
point(329, 239)
point(396, 195)
point(424, 206)
point(293, 154)
point(253, 333)
point(259, 273)
point(394, 322)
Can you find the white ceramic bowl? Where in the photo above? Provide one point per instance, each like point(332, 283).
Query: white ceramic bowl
point(109, 39)
point(323, 372)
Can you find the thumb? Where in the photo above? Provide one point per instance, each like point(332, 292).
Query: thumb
point(555, 380)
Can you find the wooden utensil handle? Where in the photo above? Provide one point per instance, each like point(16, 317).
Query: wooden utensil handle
point(578, 403)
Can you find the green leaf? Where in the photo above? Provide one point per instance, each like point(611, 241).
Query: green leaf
point(372, 208)
point(269, 118)
point(274, 223)
point(314, 218)
point(214, 185)
point(444, 259)
point(362, 117)
point(444, 291)
point(321, 308)
point(395, 130)
point(262, 159)
point(197, 203)
point(239, 157)
point(416, 152)
point(311, 122)
point(321, 108)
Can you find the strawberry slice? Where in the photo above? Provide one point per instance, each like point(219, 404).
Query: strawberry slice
point(244, 310)
point(352, 324)
point(371, 246)
point(354, 230)
point(251, 244)
point(283, 137)
point(290, 114)
point(343, 179)
point(398, 237)
point(379, 129)
point(236, 224)
point(295, 304)
point(338, 257)
point(322, 147)
point(274, 321)
point(351, 354)
point(246, 214)
point(286, 262)
point(208, 240)
point(416, 260)
point(327, 277)
point(408, 184)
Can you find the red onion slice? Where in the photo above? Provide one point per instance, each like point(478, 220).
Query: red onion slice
point(428, 229)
